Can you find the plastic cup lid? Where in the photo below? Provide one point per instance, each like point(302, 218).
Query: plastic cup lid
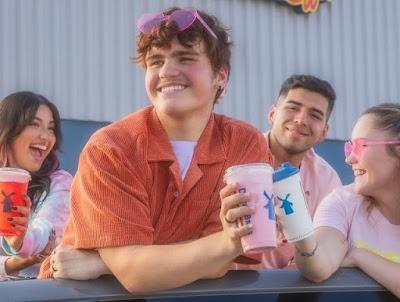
point(284, 171)
point(237, 168)
point(14, 175)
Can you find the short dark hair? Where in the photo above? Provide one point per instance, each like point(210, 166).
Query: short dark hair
point(311, 83)
point(217, 50)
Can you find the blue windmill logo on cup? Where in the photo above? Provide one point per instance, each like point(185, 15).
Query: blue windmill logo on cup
point(286, 204)
point(269, 205)
point(284, 198)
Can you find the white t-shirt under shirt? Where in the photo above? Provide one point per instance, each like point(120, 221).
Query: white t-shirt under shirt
point(184, 153)
point(361, 223)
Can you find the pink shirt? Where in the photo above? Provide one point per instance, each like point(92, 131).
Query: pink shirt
point(318, 179)
point(361, 223)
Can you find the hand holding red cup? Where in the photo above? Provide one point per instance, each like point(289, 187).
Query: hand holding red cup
point(14, 203)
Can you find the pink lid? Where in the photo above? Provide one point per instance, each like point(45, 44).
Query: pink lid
point(239, 168)
point(14, 175)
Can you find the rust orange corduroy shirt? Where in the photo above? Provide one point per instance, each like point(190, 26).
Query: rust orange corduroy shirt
point(128, 189)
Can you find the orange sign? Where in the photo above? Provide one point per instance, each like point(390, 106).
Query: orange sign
point(308, 6)
point(303, 6)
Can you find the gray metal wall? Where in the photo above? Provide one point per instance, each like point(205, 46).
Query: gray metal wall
point(78, 53)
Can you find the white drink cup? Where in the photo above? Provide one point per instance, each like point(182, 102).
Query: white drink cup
point(290, 205)
point(256, 179)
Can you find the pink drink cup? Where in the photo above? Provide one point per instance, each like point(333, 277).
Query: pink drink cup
point(256, 179)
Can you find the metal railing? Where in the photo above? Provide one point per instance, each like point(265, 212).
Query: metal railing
point(265, 285)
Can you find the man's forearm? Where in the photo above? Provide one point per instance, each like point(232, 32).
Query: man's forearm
point(149, 268)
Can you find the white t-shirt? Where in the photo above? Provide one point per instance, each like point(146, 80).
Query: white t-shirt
point(361, 223)
point(184, 153)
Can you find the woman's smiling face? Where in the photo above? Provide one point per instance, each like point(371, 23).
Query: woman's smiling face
point(31, 147)
point(375, 169)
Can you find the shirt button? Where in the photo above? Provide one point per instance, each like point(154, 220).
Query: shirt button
point(176, 194)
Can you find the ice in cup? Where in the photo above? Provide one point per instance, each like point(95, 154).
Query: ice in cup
point(290, 204)
point(256, 178)
point(13, 188)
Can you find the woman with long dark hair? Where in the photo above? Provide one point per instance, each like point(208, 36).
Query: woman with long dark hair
point(30, 135)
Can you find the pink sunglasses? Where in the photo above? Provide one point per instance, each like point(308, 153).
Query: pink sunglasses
point(356, 145)
point(183, 18)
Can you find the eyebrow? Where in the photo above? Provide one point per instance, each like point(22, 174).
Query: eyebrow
point(312, 108)
point(177, 53)
point(40, 120)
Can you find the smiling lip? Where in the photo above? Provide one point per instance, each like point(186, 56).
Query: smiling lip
point(38, 151)
point(39, 146)
point(297, 130)
point(359, 172)
point(171, 88)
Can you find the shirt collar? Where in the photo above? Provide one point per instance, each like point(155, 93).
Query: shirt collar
point(209, 148)
point(271, 157)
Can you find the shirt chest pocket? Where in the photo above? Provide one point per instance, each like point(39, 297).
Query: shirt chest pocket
point(189, 218)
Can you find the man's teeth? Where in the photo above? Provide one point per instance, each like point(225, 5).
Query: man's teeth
point(172, 88)
point(359, 172)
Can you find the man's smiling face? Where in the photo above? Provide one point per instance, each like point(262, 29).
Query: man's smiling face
point(299, 120)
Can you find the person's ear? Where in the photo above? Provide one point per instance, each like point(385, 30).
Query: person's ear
point(222, 77)
point(271, 114)
point(222, 81)
point(324, 133)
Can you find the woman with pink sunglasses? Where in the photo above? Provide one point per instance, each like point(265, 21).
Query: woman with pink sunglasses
point(359, 225)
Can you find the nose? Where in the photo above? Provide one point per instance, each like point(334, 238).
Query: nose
point(46, 134)
point(168, 69)
point(351, 159)
point(301, 117)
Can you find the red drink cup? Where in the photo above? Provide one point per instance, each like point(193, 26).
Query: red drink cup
point(13, 188)
point(256, 178)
